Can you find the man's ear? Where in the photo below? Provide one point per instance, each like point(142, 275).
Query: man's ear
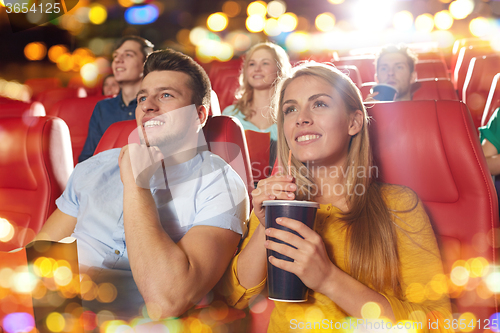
point(356, 123)
point(202, 113)
point(413, 77)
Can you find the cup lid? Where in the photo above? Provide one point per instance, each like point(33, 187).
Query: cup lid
point(290, 203)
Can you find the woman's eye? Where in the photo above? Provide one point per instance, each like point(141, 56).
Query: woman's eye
point(319, 104)
point(289, 109)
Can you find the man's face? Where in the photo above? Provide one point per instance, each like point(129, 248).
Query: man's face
point(128, 62)
point(164, 110)
point(393, 69)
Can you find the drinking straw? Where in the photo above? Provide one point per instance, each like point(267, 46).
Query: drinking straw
point(290, 163)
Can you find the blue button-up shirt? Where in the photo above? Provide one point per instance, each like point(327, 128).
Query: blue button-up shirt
point(106, 112)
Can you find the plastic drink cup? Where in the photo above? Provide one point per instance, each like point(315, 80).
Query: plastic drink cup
point(282, 285)
point(385, 92)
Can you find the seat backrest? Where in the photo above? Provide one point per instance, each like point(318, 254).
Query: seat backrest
point(259, 150)
point(40, 84)
point(92, 90)
point(224, 135)
point(22, 109)
point(76, 112)
point(457, 46)
point(462, 66)
point(365, 65)
point(50, 97)
point(430, 89)
point(229, 86)
point(431, 69)
point(353, 73)
point(478, 83)
point(35, 164)
point(493, 101)
point(432, 147)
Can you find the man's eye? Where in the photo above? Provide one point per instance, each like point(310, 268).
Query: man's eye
point(165, 95)
point(141, 99)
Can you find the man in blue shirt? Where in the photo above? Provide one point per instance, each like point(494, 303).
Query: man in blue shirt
point(171, 219)
point(127, 65)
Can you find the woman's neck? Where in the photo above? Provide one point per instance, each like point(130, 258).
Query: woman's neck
point(331, 185)
point(261, 108)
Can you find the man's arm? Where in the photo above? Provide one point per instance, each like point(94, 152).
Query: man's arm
point(58, 226)
point(171, 277)
point(492, 157)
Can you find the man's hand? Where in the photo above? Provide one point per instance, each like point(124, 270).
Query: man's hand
point(138, 163)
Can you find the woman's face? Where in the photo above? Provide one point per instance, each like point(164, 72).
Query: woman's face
point(316, 124)
point(261, 71)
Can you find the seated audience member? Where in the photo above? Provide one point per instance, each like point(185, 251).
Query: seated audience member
point(264, 63)
point(128, 60)
point(110, 86)
point(489, 137)
point(367, 245)
point(164, 229)
point(395, 66)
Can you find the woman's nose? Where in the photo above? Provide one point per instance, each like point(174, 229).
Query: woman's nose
point(304, 117)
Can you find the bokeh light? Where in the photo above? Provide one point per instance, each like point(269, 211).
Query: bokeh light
point(56, 51)
point(288, 22)
point(225, 53)
point(460, 9)
point(443, 20)
point(255, 23)
point(374, 16)
point(141, 15)
point(403, 20)
point(231, 8)
point(7, 230)
point(336, 2)
point(470, 321)
point(197, 35)
point(459, 276)
point(126, 3)
point(35, 51)
point(18, 322)
point(257, 8)
point(424, 23)
point(55, 322)
point(106, 292)
point(325, 22)
point(492, 281)
point(298, 42)
point(23, 282)
point(370, 310)
point(276, 8)
point(479, 27)
point(272, 27)
point(217, 22)
point(495, 318)
point(98, 14)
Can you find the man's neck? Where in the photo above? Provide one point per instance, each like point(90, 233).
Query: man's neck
point(129, 91)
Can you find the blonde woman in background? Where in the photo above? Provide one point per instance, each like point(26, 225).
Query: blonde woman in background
point(370, 240)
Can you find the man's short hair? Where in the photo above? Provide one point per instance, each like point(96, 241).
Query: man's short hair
point(170, 60)
point(146, 46)
point(411, 57)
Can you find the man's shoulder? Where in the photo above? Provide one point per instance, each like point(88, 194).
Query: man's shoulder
point(109, 102)
point(107, 159)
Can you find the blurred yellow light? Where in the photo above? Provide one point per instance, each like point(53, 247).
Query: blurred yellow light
point(370, 310)
point(272, 27)
point(255, 23)
point(55, 322)
point(183, 37)
point(336, 2)
point(415, 292)
point(298, 42)
point(65, 62)
point(479, 27)
point(459, 276)
point(403, 20)
point(492, 282)
point(257, 8)
point(231, 8)
point(45, 267)
point(445, 1)
point(276, 8)
point(35, 51)
point(106, 292)
point(23, 282)
point(63, 276)
point(288, 22)
point(5, 277)
point(197, 35)
point(56, 51)
point(424, 23)
point(470, 321)
point(325, 22)
point(217, 22)
point(225, 53)
point(443, 20)
point(98, 14)
point(209, 48)
point(2, 4)
point(6, 230)
point(460, 9)
point(125, 3)
point(239, 40)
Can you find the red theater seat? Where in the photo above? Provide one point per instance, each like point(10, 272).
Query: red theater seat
point(92, 90)
point(40, 84)
point(432, 147)
point(76, 112)
point(430, 89)
point(225, 137)
point(431, 69)
point(50, 97)
point(22, 109)
point(353, 73)
point(459, 43)
point(478, 83)
point(35, 164)
point(259, 145)
point(365, 65)
point(493, 101)
point(229, 86)
point(462, 66)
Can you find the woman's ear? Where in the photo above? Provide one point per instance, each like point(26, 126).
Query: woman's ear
point(356, 123)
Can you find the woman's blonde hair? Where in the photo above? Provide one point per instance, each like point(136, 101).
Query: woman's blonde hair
point(244, 94)
point(373, 256)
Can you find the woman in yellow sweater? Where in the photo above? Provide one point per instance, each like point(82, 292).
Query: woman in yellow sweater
point(372, 257)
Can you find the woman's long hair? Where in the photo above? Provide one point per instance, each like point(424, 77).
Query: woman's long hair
point(244, 94)
point(373, 255)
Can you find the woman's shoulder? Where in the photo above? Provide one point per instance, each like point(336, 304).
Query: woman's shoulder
point(399, 197)
point(231, 110)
